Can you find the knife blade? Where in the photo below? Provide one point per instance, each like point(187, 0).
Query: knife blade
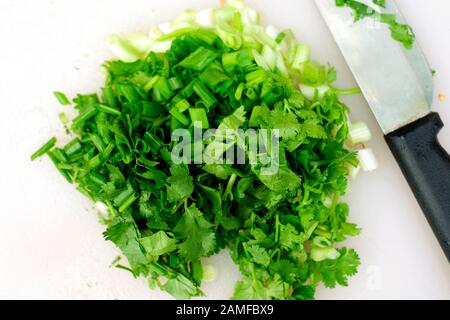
point(397, 82)
point(398, 86)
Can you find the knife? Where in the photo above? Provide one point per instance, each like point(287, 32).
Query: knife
point(398, 85)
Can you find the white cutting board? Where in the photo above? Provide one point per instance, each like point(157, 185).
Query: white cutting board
point(50, 238)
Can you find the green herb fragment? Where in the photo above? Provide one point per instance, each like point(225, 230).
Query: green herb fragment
point(44, 149)
point(199, 59)
point(62, 98)
point(400, 32)
point(180, 185)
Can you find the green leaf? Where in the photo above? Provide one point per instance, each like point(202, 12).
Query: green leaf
point(179, 184)
point(124, 233)
point(337, 271)
point(304, 293)
point(399, 32)
point(290, 238)
point(260, 287)
point(181, 287)
point(199, 239)
point(283, 180)
point(258, 255)
point(158, 244)
point(221, 171)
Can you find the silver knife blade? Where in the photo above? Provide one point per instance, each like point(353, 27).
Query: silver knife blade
point(396, 82)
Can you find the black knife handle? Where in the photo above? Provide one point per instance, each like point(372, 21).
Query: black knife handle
point(426, 166)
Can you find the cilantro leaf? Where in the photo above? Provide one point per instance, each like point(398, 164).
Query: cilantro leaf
point(259, 255)
point(400, 32)
point(337, 271)
point(304, 293)
point(158, 244)
point(197, 233)
point(260, 287)
point(179, 184)
point(283, 180)
point(181, 287)
point(124, 233)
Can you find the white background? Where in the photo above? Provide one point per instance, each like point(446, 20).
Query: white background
point(50, 238)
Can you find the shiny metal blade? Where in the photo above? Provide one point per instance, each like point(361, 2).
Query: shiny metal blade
point(397, 82)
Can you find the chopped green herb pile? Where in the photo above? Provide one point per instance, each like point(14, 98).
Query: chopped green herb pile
point(223, 71)
point(399, 32)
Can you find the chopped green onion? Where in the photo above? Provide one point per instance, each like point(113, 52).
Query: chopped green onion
point(147, 163)
point(242, 58)
point(319, 254)
point(345, 92)
point(205, 18)
point(251, 94)
point(129, 92)
point(359, 132)
point(174, 34)
point(272, 32)
point(60, 155)
point(151, 83)
point(254, 78)
point(128, 202)
point(239, 91)
point(270, 57)
point(123, 49)
point(109, 98)
point(229, 36)
point(73, 147)
point(204, 94)
point(312, 92)
point(107, 152)
point(56, 162)
point(213, 77)
point(175, 124)
point(86, 115)
point(108, 110)
point(151, 109)
point(279, 39)
point(209, 273)
point(97, 178)
point(298, 55)
point(188, 91)
point(354, 171)
point(98, 142)
point(175, 83)
point(94, 163)
point(125, 199)
point(153, 141)
point(162, 90)
point(63, 118)
point(367, 160)
point(179, 116)
point(62, 98)
point(161, 46)
point(44, 149)
point(199, 59)
point(182, 105)
point(198, 115)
